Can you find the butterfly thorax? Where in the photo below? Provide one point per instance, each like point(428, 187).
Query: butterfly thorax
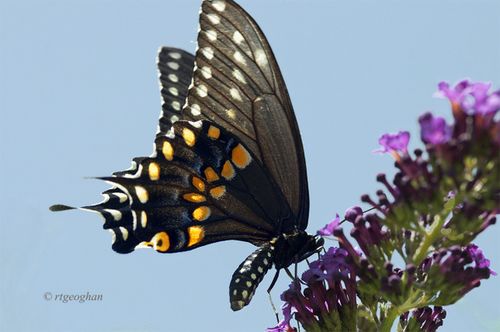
point(294, 247)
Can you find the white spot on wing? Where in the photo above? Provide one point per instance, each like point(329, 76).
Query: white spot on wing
point(134, 220)
point(173, 78)
point(219, 5)
point(239, 57)
point(196, 124)
point(173, 65)
point(207, 52)
point(211, 35)
point(238, 37)
point(213, 18)
point(202, 90)
point(121, 197)
point(231, 113)
point(206, 72)
point(239, 76)
point(116, 214)
point(176, 105)
point(261, 58)
point(142, 194)
point(124, 233)
point(174, 118)
point(195, 109)
point(235, 94)
point(173, 91)
point(174, 55)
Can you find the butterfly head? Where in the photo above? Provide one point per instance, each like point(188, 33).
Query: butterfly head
point(295, 247)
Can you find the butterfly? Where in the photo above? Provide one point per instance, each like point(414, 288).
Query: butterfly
point(228, 162)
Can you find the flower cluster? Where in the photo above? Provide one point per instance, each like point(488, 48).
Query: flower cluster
point(423, 319)
point(328, 301)
point(441, 198)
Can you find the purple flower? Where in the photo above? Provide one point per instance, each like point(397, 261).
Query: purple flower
point(455, 95)
point(485, 103)
point(478, 257)
point(330, 228)
point(434, 130)
point(473, 98)
point(352, 212)
point(394, 143)
point(282, 326)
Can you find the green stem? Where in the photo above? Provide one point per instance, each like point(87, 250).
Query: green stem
point(430, 237)
point(387, 322)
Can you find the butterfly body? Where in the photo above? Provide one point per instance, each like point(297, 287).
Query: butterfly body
point(228, 162)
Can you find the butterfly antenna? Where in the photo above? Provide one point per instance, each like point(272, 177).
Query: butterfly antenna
point(365, 211)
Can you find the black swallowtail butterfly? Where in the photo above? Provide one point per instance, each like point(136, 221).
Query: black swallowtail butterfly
point(228, 162)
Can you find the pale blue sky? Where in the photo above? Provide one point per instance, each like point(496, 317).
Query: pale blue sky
point(79, 97)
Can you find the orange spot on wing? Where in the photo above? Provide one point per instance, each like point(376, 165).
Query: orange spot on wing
point(228, 170)
point(198, 183)
point(218, 192)
point(154, 171)
point(196, 235)
point(188, 136)
point(210, 174)
point(201, 213)
point(213, 132)
point(167, 150)
point(240, 156)
point(160, 242)
point(193, 197)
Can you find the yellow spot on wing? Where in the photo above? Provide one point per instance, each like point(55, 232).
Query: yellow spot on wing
point(201, 213)
point(142, 194)
point(161, 242)
point(168, 150)
point(210, 174)
point(213, 132)
point(240, 156)
point(144, 219)
point(228, 170)
point(193, 197)
point(154, 171)
point(198, 183)
point(196, 235)
point(218, 192)
point(188, 136)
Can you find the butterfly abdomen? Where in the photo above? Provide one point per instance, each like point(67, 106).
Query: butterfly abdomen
point(249, 274)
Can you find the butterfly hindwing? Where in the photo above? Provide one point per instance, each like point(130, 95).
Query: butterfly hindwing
point(175, 70)
point(237, 84)
point(201, 185)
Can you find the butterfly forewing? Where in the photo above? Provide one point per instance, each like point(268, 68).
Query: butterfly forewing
point(237, 84)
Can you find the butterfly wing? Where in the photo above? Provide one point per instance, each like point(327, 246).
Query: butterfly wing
point(237, 84)
point(175, 71)
point(201, 185)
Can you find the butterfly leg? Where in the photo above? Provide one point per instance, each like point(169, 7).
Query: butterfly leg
point(270, 296)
